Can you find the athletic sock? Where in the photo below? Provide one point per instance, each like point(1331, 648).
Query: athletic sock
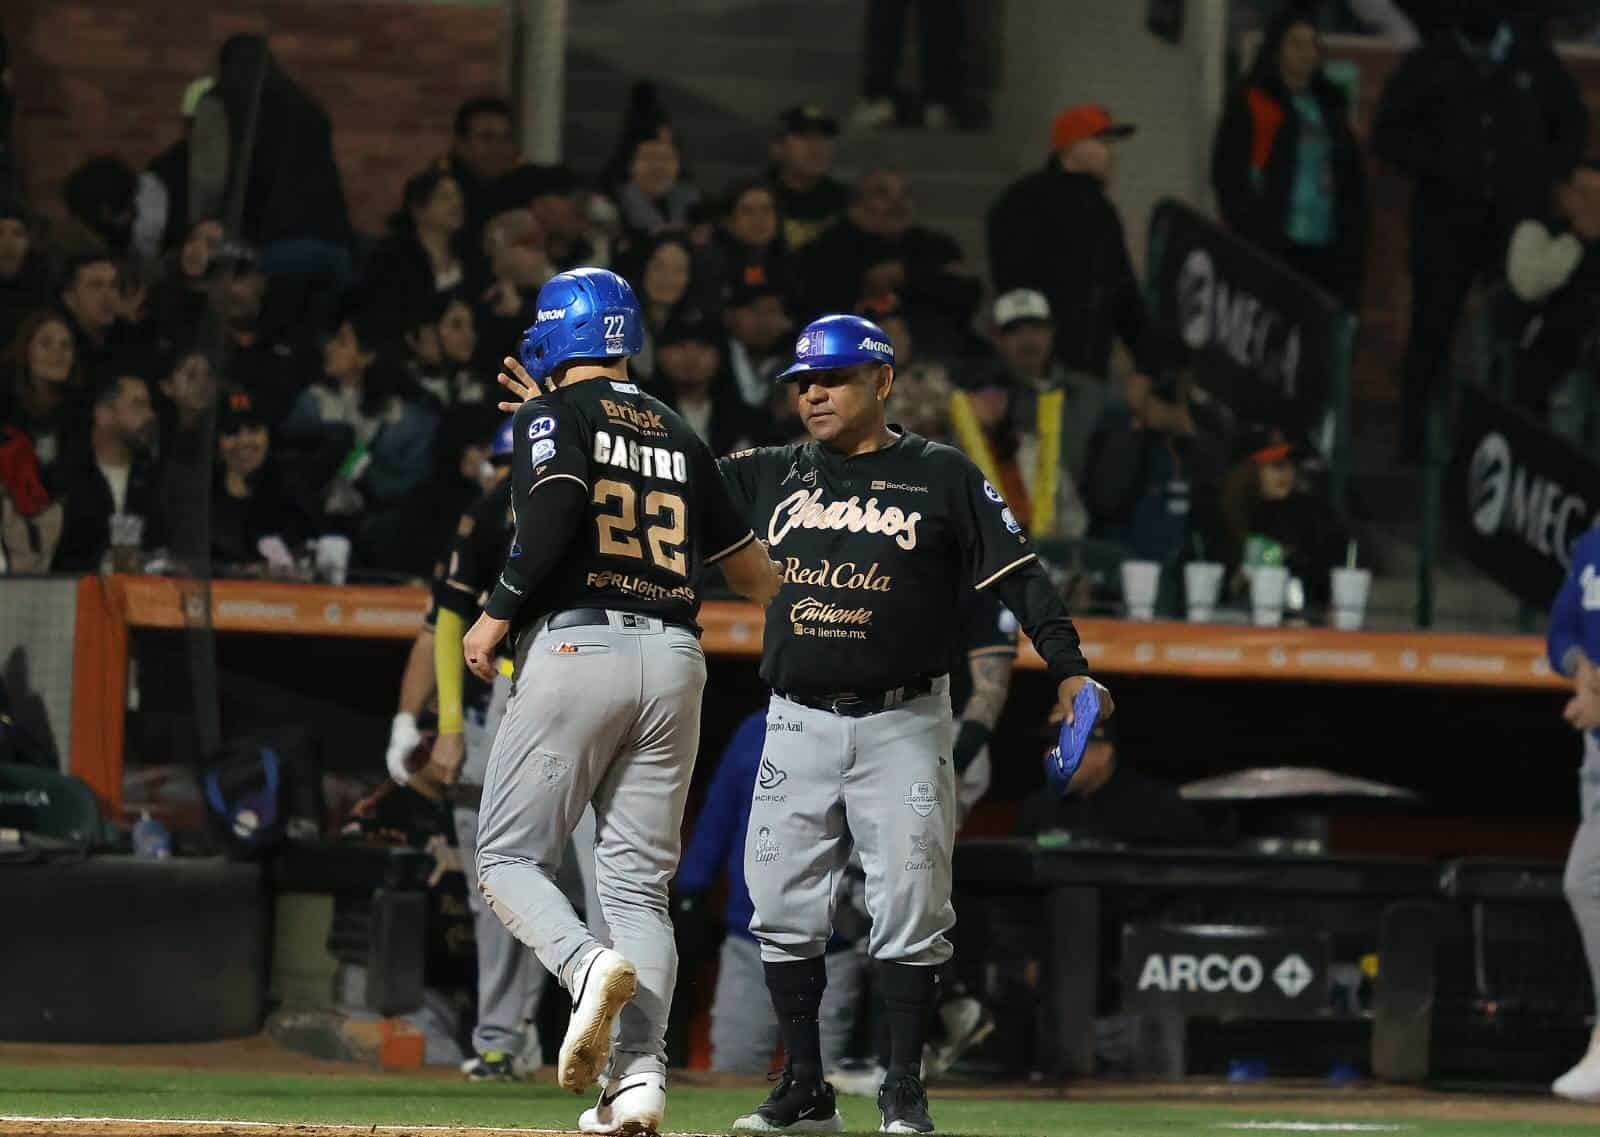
point(796, 989)
point(909, 992)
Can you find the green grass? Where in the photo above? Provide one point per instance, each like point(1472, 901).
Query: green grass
point(65, 1091)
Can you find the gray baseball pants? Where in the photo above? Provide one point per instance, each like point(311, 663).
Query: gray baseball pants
point(744, 1028)
point(610, 716)
point(883, 784)
point(1582, 879)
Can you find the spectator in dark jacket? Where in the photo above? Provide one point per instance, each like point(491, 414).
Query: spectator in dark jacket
point(756, 315)
point(24, 270)
point(1286, 166)
point(663, 270)
point(90, 303)
point(1056, 231)
point(513, 248)
point(747, 246)
point(877, 249)
point(689, 379)
point(99, 196)
point(422, 256)
point(111, 489)
point(253, 360)
point(809, 200)
point(180, 296)
point(170, 169)
point(482, 149)
point(249, 501)
point(443, 342)
point(1486, 120)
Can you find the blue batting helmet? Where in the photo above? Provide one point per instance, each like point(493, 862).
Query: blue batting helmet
point(501, 446)
point(588, 313)
point(838, 341)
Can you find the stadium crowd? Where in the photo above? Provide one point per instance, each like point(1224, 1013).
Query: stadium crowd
point(353, 374)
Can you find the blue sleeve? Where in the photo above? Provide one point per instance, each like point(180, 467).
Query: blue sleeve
point(1566, 614)
point(714, 829)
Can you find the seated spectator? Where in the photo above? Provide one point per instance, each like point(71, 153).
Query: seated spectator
point(30, 522)
point(180, 299)
point(1268, 518)
point(253, 360)
point(747, 246)
point(689, 380)
point(41, 394)
point(444, 344)
point(371, 440)
point(665, 282)
point(1056, 231)
point(422, 255)
point(809, 200)
point(99, 196)
point(483, 149)
point(758, 327)
point(654, 195)
point(877, 249)
point(551, 194)
point(513, 246)
point(1015, 458)
point(1056, 401)
point(24, 271)
point(1286, 166)
point(920, 401)
point(188, 391)
point(90, 302)
point(1553, 268)
point(1146, 462)
point(109, 486)
point(249, 500)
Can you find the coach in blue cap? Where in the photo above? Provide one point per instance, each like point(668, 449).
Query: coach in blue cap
point(881, 534)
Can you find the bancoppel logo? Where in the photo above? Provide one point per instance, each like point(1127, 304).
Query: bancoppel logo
point(1489, 483)
point(550, 314)
point(1195, 281)
point(870, 344)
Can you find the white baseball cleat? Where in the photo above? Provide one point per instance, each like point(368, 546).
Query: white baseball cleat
point(603, 984)
point(1582, 1082)
point(632, 1106)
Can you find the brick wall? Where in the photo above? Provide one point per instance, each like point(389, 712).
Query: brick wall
point(106, 76)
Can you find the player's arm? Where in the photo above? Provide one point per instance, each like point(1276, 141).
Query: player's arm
point(730, 543)
point(990, 640)
point(416, 685)
point(549, 497)
point(1003, 562)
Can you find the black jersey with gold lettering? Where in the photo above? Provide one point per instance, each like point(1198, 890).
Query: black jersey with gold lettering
point(878, 553)
point(656, 511)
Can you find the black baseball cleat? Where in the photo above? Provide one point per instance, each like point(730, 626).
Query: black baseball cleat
point(904, 1104)
point(794, 1108)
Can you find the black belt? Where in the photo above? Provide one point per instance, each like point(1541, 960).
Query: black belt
point(578, 618)
point(856, 704)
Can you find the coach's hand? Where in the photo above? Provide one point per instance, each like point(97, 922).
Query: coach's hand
point(479, 644)
point(518, 382)
point(1069, 690)
point(444, 760)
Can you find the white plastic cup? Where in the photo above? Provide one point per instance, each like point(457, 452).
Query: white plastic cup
point(1268, 586)
point(1141, 580)
point(1202, 582)
point(333, 558)
point(1351, 587)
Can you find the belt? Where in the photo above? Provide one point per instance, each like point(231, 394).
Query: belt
point(578, 618)
point(856, 704)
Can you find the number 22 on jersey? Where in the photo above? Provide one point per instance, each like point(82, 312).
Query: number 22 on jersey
point(617, 524)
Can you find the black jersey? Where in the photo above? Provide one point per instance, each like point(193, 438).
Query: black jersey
point(656, 512)
point(463, 581)
point(878, 552)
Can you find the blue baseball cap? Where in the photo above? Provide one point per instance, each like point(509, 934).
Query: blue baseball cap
point(502, 445)
point(838, 341)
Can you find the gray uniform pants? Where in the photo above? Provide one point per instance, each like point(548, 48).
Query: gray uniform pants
point(1582, 879)
point(605, 715)
point(744, 1029)
point(883, 784)
point(510, 980)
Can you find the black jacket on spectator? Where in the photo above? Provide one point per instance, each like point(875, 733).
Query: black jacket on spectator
point(1253, 168)
point(1478, 134)
point(833, 266)
point(86, 526)
point(266, 370)
point(171, 169)
point(1059, 234)
point(238, 524)
point(807, 213)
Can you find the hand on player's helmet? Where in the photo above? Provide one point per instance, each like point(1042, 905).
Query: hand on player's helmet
point(518, 382)
point(479, 644)
point(1068, 691)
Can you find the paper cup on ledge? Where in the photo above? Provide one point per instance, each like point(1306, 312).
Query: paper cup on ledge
point(1268, 585)
point(1141, 580)
point(1202, 582)
point(333, 558)
point(1351, 587)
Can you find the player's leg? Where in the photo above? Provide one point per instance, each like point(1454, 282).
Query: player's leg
point(795, 849)
point(901, 796)
point(583, 838)
point(1582, 885)
point(743, 1033)
point(565, 722)
point(638, 818)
